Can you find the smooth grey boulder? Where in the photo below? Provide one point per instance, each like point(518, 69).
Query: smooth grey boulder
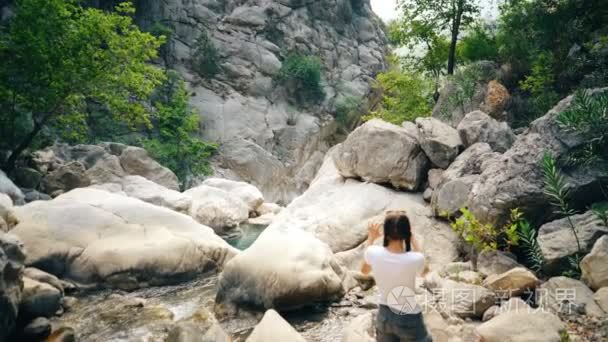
point(148, 191)
point(439, 141)
point(39, 299)
point(557, 242)
point(567, 296)
point(216, 208)
point(496, 262)
point(594, 265)
point(465, 300)
point(273, 327)
point(514, 282)
point(478, 126)
point(8, 188)
point(402, 162)
point(12, 257)
point(246, 192)
point(136, 161)
point(94, 236)
point(522, 326)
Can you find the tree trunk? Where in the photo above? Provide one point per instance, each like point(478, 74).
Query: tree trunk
point(455, 30)
point(9, 165)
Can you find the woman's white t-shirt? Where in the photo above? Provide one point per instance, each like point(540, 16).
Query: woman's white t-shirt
point(395, 275)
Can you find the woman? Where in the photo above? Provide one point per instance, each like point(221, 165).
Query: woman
point(395, 266)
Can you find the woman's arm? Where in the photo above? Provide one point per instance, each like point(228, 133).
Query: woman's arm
point(373, 232)
point(416, 248)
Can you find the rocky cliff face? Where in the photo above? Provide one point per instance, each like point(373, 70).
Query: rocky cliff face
point(267, 139)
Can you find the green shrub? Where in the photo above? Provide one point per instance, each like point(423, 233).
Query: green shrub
point(173, 141)
point(205, 57)
point(483, 237)
point(539, 83)
point(465, 83)
point(348, 112)
point(405, 97)
point(478, 45)
point(303, 75)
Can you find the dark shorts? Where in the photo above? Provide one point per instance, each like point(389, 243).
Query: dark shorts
point(393, 327)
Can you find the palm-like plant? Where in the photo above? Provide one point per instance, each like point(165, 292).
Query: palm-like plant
point(556, 189)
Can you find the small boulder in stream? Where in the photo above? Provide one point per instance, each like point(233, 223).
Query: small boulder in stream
point(273, 327)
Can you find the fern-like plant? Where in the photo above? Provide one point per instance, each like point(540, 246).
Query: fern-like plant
point(587, 116)
point(600, 210)
point(529, 244)
point(556, 189)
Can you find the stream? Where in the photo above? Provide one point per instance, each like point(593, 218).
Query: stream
point(148, 314)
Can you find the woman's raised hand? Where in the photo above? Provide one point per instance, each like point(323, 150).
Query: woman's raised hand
point(373, 231)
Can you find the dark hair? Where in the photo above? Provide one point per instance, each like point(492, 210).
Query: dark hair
point(397, 227)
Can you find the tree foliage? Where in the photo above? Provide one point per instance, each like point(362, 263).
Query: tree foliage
point(173, 141)
point(405, 96)
point(303, 75)
point(58, 56)
point(428, 18)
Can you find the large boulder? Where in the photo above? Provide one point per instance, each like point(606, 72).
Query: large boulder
point(513, 282)
point(496, 262)
point(478, 126)
point(595, 265)
point(8, 188)
point(557, 242)
point(94, 236)
point(515, 178)
point(273, 327)
point(66, 167)
point(455, 184)
point(402, 162)
point(522, 326)
point(65, 178)
point(601, 298)
point(217, 208)
point(464, 300)
point(292, 263)
point(136, 161)
point(439, 141)
point(12, 257)
point(148, 191)
point(7, 217)
point(567, 296)
point(246, 192)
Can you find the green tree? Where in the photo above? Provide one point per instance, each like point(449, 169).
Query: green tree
point(428, 17)
point(57, 56)
point(427, 50)
point(478, 45)
point(405, 96)
point(173, 141)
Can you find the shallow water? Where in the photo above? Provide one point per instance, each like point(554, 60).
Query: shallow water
point(118, 316)
point(103, 316)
